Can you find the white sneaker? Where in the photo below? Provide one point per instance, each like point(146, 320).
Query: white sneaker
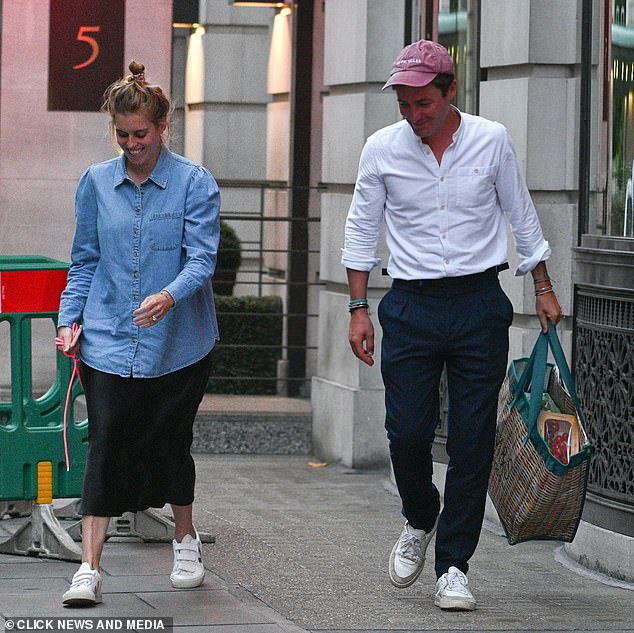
point(452, 592)
point(85, 588)
point(188, 571)
point(408, 555)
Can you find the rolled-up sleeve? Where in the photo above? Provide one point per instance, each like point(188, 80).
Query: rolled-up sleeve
point(520, 211)
point(365, 215)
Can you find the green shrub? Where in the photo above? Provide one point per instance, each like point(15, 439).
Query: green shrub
point(229, 260)
point(254, 324)
point(229, 249)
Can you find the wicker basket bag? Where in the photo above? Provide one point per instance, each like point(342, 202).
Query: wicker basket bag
point(536, 494)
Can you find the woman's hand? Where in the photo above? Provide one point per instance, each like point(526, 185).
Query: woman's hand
point(64, 335)
point(153, 309)
point(64, 339)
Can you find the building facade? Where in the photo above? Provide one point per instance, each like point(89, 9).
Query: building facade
point(559, 76)
point(278, 102)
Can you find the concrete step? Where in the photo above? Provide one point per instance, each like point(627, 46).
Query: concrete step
point(255, 425)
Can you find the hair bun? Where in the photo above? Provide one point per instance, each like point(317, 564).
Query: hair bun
point(137, 70)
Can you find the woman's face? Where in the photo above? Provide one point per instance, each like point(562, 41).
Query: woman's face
point(140, 140)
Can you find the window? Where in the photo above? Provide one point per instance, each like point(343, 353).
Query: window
point(458, 33)
point(621, 185)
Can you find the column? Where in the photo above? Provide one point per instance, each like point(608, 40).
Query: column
point(347, 397)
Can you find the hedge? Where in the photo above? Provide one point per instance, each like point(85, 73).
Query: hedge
point(255, 325)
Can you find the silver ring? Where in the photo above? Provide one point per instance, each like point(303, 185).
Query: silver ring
point(154, 317)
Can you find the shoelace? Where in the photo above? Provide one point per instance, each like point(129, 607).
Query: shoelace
point(73, 355)
point(410, 547)
point(456, 582)
point(82, 578)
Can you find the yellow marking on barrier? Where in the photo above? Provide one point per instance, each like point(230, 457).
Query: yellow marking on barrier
point(44, 483)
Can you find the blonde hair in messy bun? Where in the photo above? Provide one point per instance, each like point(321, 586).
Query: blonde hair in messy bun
point(134, 94)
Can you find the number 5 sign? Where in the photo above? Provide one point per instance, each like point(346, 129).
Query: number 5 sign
point(86, 39)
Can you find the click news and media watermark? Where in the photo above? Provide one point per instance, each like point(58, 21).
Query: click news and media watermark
point(55, 625)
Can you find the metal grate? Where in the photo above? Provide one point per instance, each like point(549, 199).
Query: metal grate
point(606, 312)
point(604, 375)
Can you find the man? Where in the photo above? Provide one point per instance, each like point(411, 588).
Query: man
point(446, 184)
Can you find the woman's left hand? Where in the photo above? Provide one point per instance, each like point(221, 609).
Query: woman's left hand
point(152, 309)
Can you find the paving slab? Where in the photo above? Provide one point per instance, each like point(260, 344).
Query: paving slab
point(313, 544)
point(303, 547)
point(32, 587)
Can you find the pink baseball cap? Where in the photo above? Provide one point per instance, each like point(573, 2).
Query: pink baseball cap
point(418, 64)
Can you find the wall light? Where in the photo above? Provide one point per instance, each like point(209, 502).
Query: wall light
point(261, 3)
point(199, 29)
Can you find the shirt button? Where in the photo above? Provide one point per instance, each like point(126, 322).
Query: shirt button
point(446, 261)
point(442, 179)
point(442, 206)
point(136, 275)
point(135, 253)
point(135, 297)
point(476, 171)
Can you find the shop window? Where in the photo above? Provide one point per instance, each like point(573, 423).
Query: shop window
point(620, 220)
point(458, 33)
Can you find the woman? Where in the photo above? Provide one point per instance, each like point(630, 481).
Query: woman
point(143, 254)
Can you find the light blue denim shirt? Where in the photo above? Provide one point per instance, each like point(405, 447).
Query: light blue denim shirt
point(133, 241)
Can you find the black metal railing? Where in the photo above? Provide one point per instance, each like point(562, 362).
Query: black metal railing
point(278, 264)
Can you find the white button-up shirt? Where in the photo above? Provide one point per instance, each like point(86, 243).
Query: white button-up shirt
point(442, 220)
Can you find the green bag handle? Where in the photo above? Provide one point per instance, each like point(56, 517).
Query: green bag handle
point(536, 370)
point(525, 378)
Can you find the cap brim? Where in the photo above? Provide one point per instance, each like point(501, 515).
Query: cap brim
point(412, 78)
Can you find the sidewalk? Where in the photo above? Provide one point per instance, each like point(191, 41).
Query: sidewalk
point(303, 547)
point(135, 585)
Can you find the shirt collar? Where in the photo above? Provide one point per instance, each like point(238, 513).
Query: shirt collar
point(159, 175)
point(460, 128)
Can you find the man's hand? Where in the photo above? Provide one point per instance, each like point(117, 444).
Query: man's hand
point(361, 336)
point(546, 304)
point(547, 307)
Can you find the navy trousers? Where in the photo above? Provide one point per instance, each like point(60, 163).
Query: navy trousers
point(462, 324)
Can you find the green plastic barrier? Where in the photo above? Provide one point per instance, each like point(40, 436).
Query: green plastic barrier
point(31, 429)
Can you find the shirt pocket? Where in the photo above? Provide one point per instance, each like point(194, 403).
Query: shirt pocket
point(475, 187)
point(166, 230)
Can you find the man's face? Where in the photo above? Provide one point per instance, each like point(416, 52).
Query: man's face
point(425, 108)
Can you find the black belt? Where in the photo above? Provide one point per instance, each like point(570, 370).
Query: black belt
point(452, 283)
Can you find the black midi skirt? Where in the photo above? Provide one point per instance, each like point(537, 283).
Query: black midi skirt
point(139, 439)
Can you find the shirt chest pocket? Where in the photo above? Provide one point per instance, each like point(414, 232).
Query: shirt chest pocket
point(166, 230)
point(475, 187)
